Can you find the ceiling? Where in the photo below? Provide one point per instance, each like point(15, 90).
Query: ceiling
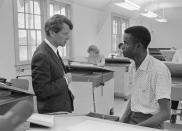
point(172, 8)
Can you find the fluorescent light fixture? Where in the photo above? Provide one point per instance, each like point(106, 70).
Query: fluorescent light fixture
point(161, 20)
point(128, 5)
point(149, 14)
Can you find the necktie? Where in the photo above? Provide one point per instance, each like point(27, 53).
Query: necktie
point(61, 61)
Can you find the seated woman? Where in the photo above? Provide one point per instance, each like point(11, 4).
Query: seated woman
point(120, 50)
point(95, 57)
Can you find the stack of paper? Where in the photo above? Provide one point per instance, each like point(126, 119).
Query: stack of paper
point(42, 119)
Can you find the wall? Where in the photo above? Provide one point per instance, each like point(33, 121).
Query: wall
point(91, 26)
point(84, 32)
point(7, 54)
point(164, 35)
point(104, 32)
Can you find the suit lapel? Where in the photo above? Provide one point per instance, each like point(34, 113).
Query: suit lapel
point(54, 56)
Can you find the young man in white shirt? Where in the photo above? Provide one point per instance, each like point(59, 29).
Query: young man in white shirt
point(151, 83)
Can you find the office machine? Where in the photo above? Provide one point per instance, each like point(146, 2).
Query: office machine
point(11, 95)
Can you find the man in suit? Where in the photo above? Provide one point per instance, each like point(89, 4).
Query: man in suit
point(49, 76)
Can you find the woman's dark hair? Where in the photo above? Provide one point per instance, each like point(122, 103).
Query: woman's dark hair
point(55, 24)
point(120, 45)
point(93, 48)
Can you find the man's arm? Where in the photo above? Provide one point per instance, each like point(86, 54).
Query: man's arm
point(161, 116)
point(42, 84)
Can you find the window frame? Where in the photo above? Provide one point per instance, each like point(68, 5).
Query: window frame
point(121, 18)
point(44, 12)
point(68, 6)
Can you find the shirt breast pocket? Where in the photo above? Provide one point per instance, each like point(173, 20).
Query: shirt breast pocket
point(145, 93)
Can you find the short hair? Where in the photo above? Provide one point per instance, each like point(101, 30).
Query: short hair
point(93, 48)
point(140, 34)
point(55, 24)
point(120, 45)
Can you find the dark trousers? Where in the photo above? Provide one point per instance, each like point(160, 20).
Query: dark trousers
point(137, 117)
point(174, 105)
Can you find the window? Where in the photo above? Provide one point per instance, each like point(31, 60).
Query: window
point(29, 19)
point(119, 24)
point(63, 9)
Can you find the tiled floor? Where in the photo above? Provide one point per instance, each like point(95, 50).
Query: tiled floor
point(120, 106)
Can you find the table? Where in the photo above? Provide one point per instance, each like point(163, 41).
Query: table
point(75, 123)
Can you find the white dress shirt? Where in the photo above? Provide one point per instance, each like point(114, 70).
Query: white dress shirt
point(50, 45)
point(151, 82)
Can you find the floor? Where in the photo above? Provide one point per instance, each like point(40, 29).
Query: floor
point(120, 106)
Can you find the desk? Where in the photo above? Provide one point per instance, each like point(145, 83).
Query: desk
point(94, 92)
point(176, 90)
point(120, 79)
point(64, 122)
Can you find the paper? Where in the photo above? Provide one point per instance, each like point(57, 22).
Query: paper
point(42, 119)
point(90, 125)
point(58, 113)
point(82, 64)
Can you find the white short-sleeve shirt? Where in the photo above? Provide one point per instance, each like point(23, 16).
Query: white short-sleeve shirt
point(151, 82)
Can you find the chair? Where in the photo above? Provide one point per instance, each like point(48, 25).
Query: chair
point(20, 83)
point(26, 84)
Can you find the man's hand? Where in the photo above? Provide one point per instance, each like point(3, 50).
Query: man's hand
point(68, 77)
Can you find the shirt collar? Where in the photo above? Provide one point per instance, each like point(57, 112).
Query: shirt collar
point(51, 46)
point(145, 63)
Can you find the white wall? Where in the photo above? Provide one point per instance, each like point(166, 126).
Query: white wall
point(168, 35)
point(7, 54)
point(85, 26)
point(104, 32)
point(91, 26)
point(164, 35)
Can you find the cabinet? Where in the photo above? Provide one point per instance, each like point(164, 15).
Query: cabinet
point(94, 92)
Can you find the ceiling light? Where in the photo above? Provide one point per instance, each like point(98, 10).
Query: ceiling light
point(161, 19)
point(149, 14)
point(128, 5)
